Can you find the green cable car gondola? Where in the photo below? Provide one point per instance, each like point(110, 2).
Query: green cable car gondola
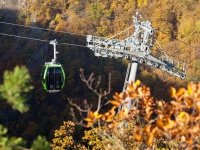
point(53, 75)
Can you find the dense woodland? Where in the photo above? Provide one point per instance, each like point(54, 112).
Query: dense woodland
point(177, 29)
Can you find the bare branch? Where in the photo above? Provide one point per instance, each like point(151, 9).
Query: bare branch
point(78, 107)
point(87, 107)
point(19, 147)
point(98, 82)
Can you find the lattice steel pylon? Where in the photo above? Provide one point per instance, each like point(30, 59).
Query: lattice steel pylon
point(135, 48)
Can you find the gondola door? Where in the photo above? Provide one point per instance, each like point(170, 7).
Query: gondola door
point(53, 78)
point(58, 78)
point(51, 83)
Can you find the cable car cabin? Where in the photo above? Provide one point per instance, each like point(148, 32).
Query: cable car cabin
point(53, 77)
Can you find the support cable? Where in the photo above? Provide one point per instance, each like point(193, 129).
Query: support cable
point(72, 33)
point(17, 36)
point(42, 28)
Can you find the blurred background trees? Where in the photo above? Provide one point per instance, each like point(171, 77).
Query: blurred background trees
point(14, 90)
point(176, 26)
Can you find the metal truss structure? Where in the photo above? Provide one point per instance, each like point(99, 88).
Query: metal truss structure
point(136, 47)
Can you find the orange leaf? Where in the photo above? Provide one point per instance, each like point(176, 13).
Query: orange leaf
point(115, 103)
point(198, 106)
point(189, 102)
point(189, 141)
point(159, 124)
point(138, 137)
point(150, 139)
point(109, 120)
point(107, 114)
point(147, 128)
point(111, 125)
point(91, 114)
point(89, 124)
point(195, 129)
point(174, 103)
point(180, 91)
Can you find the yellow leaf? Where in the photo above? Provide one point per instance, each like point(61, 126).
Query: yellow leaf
point(182, 114)
point(109, 119)
point(88, 119)
point(137, 82)
point(170, 124)
point(190, 91)
point(55, 140)
point(172, 92)
point(183, 117)
point(95, 114)
point(99, 116)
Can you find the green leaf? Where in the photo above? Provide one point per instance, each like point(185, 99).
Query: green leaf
point(7, 143)
point(3, 130)
point(40, 144)
point(16, 87)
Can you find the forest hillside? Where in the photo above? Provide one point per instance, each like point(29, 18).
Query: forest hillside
point(177, 29)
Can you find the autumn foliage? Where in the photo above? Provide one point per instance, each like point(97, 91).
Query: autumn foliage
point(63, 137)
point(147, 123)
point(177, 121)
